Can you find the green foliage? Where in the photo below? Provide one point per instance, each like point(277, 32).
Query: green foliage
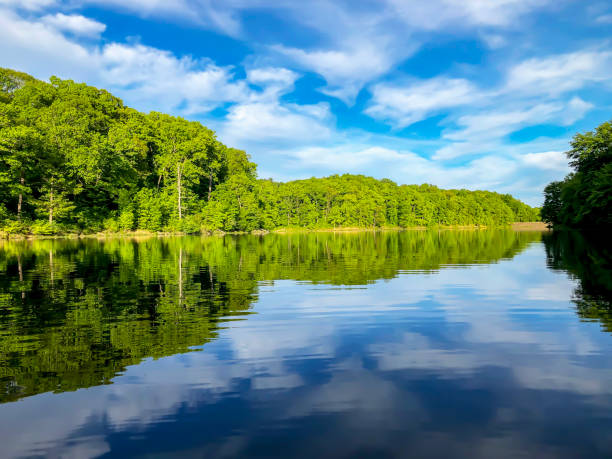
point(75, 156)
point(584, 198)
point(16, 226)
point(44, 228)
point(126, 220)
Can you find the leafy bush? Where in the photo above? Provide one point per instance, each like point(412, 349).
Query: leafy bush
point(43, 227)
point(111, 225)
point(16, 227)
point(126, 220)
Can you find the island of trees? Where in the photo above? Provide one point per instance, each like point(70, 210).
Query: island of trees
point(75, 159)
point(584, 198)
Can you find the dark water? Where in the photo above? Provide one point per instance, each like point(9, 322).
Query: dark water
point(414, 344)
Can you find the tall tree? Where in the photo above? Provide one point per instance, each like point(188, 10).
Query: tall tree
point(184, 152)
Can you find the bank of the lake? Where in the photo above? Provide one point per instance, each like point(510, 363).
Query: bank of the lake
point(519, 226)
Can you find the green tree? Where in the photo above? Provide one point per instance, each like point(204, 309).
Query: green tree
point(584, 198)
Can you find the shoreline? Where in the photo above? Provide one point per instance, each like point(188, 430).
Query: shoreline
point(518, 226)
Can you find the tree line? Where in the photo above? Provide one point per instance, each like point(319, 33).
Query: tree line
point(74, 158)
point(584, 197)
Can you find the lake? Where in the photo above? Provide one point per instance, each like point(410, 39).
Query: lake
point(375, 344)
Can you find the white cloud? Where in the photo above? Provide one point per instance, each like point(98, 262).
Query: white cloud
point(157, 79)
point(347, 159)
point(554, 75)
point(75, 23)
point(575, 110)
point(435, 14)
point(42, 50)
point(150, 78)
point(271, 122)
point(356, 43)
point(345, 70)
point(553, 160)
point(543, 78)
point(267, 75)
point(33, 5)
point(407, 104)
point(534, 92)
point(487, 172)
point(604, 19)
point(487, 130)
point(498, 123)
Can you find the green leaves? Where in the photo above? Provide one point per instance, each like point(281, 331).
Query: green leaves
point(584, 198)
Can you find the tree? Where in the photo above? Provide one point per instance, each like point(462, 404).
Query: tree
point(184, 151)
point(551, 209)
point(584, 198)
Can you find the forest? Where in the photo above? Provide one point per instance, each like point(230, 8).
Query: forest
point(75, 159)
point(584, 198)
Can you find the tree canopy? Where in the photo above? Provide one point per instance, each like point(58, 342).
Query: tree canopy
point(584, 197)
point(74, 158)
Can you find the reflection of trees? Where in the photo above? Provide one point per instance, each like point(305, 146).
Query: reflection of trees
point(75, 313)
point(587, 257)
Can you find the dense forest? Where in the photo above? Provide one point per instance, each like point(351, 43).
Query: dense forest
point(74, 158)
point(76, 312)
point(584, 197)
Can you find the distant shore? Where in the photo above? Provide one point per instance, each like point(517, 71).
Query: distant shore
point(531, 226)
point(519, 226)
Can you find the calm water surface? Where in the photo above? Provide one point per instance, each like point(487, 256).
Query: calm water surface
point(423, 344)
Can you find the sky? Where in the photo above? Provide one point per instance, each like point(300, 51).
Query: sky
point(477, 94)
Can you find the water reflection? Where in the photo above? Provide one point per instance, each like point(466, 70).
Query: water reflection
point(364, 344)
point(587, 257)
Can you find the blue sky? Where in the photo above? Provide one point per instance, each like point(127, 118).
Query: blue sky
point(478, 94)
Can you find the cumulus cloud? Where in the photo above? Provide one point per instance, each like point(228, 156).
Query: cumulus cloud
point(477, 120)
point(553, 75)
point(149, 78)
point(357, 43)
point(32, 5)
point(345, 70)
point(407, 104)
point(545, 79)
point(554, 160)
point(74, 23)
point(157, 79)
point(276, 123)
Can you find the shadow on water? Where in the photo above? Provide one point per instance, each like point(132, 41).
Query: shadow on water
point(587, 257)
point(76, 313)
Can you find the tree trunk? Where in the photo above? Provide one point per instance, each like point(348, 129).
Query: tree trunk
point(51, 206)
point(209, 185)
point(20, 200)
point(178, 184)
